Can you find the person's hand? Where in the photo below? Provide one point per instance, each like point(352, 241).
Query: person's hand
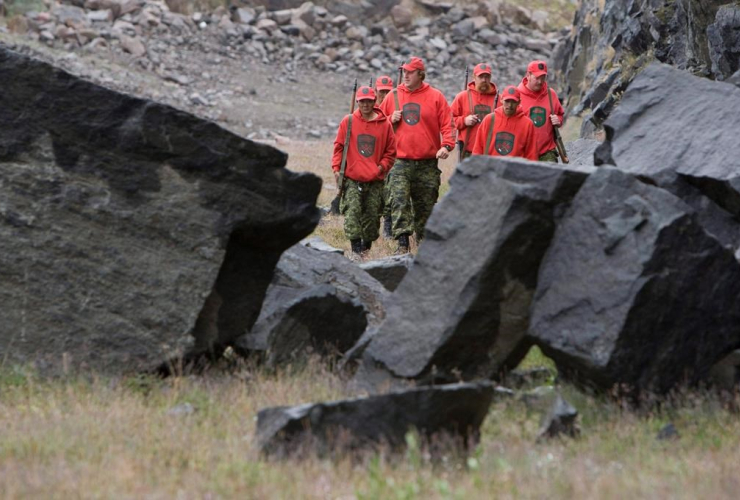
point(380, 169)
point(471, 120)
point(396, 117)
point(443, 154)
point(336, 178)
point(555, 120)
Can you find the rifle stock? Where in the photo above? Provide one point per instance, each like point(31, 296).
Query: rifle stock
point(460, 142)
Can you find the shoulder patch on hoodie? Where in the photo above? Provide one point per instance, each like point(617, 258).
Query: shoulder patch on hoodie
point(366, 145)
point(504, 143)
point(538, 115)
point(411, 113)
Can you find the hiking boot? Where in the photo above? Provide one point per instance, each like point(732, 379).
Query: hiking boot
point(403, 244)
point(387, 228)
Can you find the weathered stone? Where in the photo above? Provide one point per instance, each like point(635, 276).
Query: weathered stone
point(463, 29)
point(133, 46)
point(633, 293)
point(581, 151)
point(69, 15)
point(282, 17)
point(100, 16)
point(314, 297)
point(267, 25)
point(724, 41)
point(118, 215)
point(402, 16)
point(483, 245)
point(244, 15)
point(389, 270)
point(560, 420)
point(451, 413)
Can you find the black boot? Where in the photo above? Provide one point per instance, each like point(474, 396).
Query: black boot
point(403, 244)
point(366, 245)
point(356, 246)
point(387, 227)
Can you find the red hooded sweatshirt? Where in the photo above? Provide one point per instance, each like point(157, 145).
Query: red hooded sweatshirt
point(425, 115)
point(371, 143)
point(512, 136)
point(483, 104)
point(537, 106)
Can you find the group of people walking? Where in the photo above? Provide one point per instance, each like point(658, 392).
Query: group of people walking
point(386, 152)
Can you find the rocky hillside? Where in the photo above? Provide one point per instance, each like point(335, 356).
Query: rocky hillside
point(210, 59)
point(613, 39)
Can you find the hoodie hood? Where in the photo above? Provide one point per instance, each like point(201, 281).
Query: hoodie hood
point(424, 87)
point(492, 90)
point(534, 95)
point(379, 115)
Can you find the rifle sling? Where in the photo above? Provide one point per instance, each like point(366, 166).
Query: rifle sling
point(489, 135)
point(343, 166)
point(470, 111)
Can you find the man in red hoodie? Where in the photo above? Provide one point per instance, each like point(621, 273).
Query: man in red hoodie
point(543, 107)
point(473, 104)
point(370, 154)
point(507, 131)
point(423, 124)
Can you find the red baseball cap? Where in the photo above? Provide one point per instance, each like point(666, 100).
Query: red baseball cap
point(510, 93)
point(482, 69)
point(365, 92)
point(384, 83)
point(413, 64)
point(537, 68)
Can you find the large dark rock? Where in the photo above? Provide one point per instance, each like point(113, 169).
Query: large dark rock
point(646, 136)
point(438, 413)
point(633, 292)
point(120, 217)
point(390, 271)
point(724, 41)
point(463, 308)
point(581, 151)
point(315, 298)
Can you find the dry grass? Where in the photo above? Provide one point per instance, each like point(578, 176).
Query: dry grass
point(115, 438)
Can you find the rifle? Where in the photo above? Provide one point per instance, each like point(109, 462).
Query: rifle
point(395, 95)
point(340, 184)
point(461, 144)
point(562, 153)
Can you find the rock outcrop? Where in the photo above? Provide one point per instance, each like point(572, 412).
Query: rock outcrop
point(131, 232)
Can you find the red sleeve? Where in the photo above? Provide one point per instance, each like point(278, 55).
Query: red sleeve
point(480, 136)
point(445, 122)
point(458, 111)
point(336, 159)
point(530, 147)
point(389, 156)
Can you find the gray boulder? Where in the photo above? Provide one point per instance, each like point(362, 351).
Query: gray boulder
point(316, 299)
point(389, 270)
point(119, 217)
point(581, 151)
point(450, 412)
point(633, 293)
point(647, 137)
point(462, 310)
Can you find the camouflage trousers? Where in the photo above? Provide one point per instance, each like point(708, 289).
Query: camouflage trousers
point(386, 198)
point(361, 205)
point(414, 189)
point(551, 156)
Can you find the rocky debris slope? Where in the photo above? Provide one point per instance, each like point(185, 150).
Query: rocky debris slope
point(131, 232)
point(614, 39)
point(294, 41)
